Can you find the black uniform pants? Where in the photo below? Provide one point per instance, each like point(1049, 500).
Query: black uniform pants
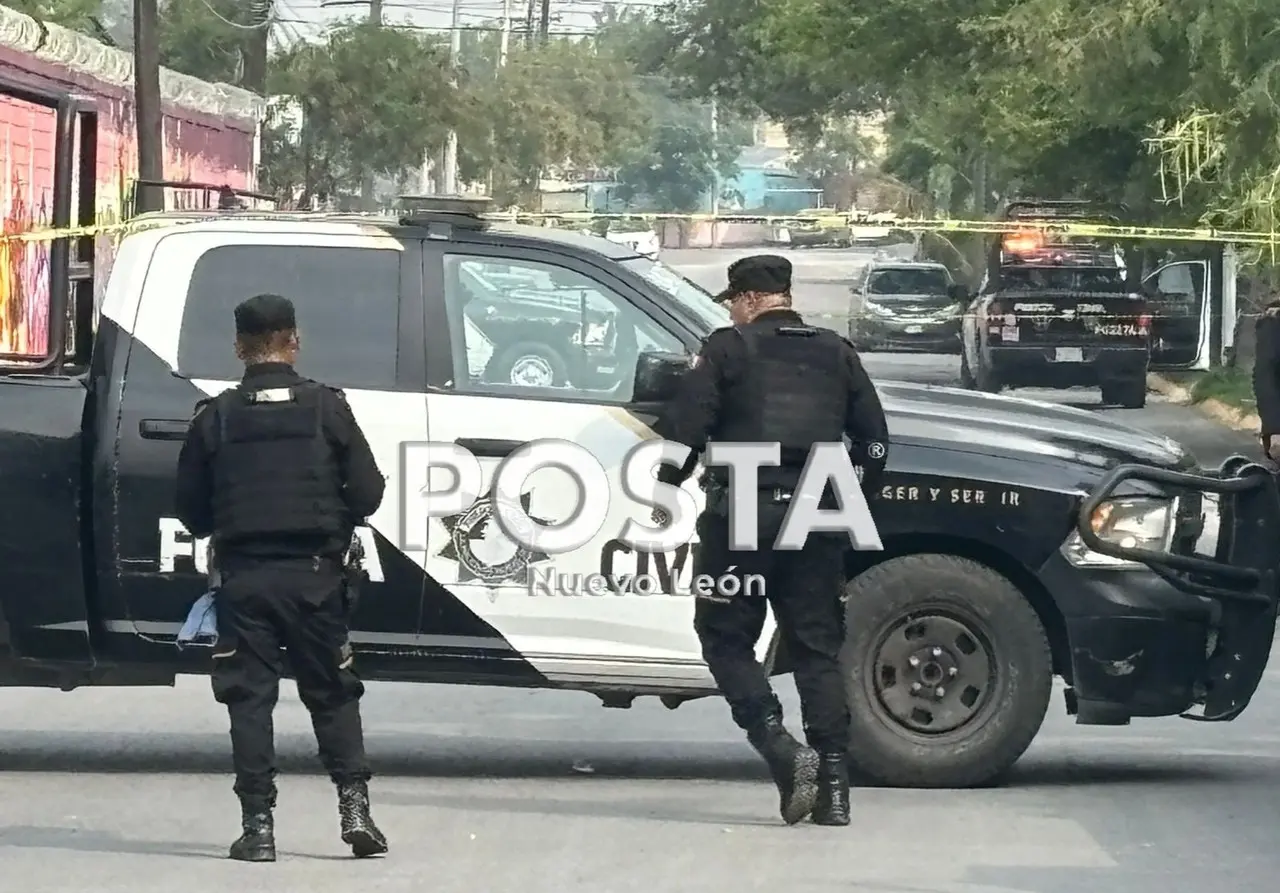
point(297, 605)
point(804, 587)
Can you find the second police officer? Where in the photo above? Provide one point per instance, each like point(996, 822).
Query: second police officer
point(772, 378)
point(1266, 378)
point(278, 473)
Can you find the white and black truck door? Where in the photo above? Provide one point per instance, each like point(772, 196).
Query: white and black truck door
point(359, 301)
point(530, 345)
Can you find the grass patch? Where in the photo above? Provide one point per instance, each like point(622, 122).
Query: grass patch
point(1232, 386)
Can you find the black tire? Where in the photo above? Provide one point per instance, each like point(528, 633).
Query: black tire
point(1127, 394)
point(935, 596)
point(505, 366)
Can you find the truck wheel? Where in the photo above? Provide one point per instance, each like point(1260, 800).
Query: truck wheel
point(948, 672)
point(529, 364)
point(1128, 394)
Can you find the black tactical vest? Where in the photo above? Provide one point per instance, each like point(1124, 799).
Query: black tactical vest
point(795, 392)
point(274, 471)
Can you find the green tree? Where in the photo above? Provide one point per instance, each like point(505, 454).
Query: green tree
point(675, 164)
point(211, 39)
point(551, 107)
point(837, 148)
point(372, 100)
point(85, 16)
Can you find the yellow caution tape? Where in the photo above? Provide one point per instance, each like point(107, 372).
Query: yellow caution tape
point(826, 221)
point(925, 224)
point(49, 234)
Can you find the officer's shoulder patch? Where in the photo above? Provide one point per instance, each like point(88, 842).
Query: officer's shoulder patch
point(271, 395)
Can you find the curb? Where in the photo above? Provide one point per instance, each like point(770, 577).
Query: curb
point(1223, 414)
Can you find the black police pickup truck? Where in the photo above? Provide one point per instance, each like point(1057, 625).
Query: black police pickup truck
point(1057, 312)
point(1021, 541)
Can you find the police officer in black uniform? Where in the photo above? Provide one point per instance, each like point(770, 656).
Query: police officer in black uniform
point(772, 378)
point(1266, 378)
point(278, 473)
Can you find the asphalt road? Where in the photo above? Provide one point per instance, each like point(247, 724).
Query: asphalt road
point(121, 791)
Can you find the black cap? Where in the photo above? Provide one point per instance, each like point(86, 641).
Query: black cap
point(263, 314)
point(766, 273)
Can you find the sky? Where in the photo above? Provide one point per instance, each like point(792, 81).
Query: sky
point(308, 19)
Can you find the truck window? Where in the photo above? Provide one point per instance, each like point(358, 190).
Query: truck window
point(347, 299)
point(535, 328)
point(1075, 279)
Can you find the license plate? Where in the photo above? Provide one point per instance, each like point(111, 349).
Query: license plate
point(914, 330)
point(1009, 334)
point(1068, 355)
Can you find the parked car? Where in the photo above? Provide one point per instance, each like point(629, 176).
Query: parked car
point(906, 305)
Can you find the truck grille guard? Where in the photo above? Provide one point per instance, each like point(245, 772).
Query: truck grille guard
point(1241, 576)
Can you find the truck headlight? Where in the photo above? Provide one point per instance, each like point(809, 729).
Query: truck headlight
point(875, 309)
point(1134, 523)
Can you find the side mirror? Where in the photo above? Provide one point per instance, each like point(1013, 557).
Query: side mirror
point(958, 293)
point(658, 375)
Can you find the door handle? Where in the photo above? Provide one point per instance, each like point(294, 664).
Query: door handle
point(489, 449)
point(164, 429)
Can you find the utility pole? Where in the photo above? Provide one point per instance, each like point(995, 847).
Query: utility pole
point(368, 199)
point(528, 24)
point(505, 43)
point(450, 185)
point(255, 57)
point(544, 27)
point(148, 113)
point(715, 173)
point(504, 47)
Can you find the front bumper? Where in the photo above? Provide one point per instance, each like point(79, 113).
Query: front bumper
point(908, 334)
point(1137, 644)
point(1041, 366)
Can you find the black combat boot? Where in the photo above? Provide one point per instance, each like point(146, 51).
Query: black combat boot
point(794, 768)
point(258, 842)
point(832, 807)
point(358, 830)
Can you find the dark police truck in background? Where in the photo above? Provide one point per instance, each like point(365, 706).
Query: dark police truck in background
point(1057, 311)
point(1060, 311)
point(1022, 541)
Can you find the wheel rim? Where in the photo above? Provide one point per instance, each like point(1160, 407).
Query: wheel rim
point(932, 674)
point(532, 371)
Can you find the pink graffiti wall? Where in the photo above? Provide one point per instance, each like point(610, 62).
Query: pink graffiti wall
point(198, 146)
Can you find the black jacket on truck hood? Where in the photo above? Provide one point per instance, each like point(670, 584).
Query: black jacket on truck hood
point(995, 426)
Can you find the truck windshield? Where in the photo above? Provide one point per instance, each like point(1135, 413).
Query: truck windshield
point(1086, 279)
point(689, 296)
point(908, 281)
